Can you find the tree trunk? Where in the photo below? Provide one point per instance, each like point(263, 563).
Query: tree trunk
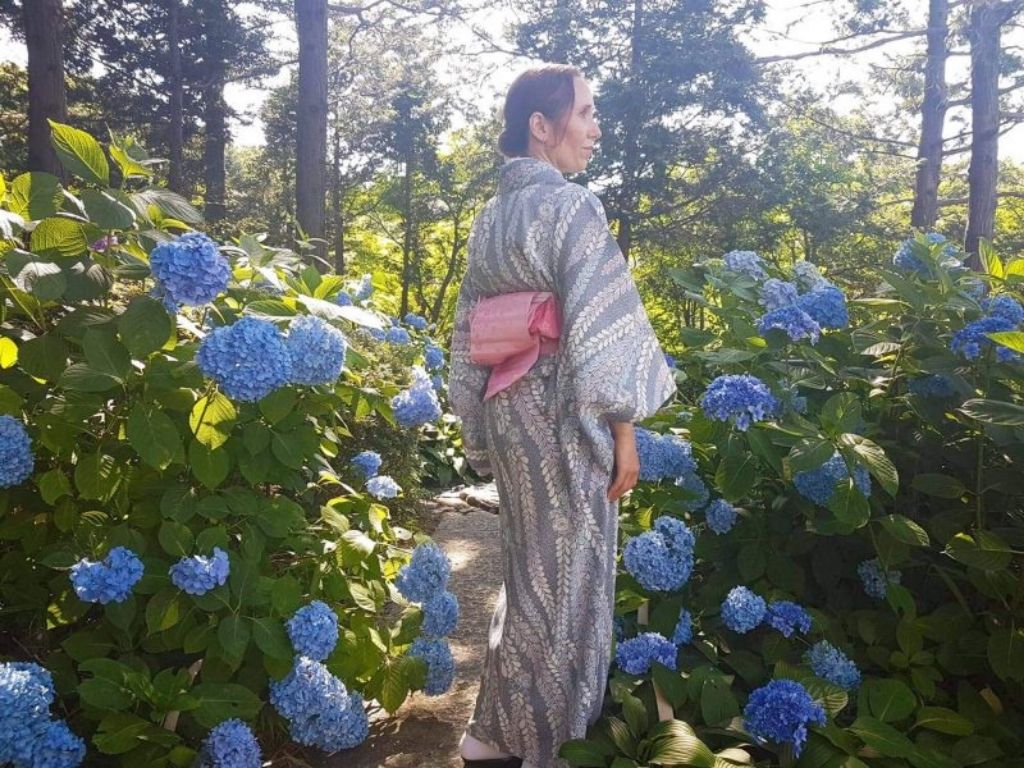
point(407, 232)
point(337, 221)
point(983, 32)
point(176, 120)
point(44, 26)
point(631, 138)
point(215, 115)
point(933, 118)
point(311, 115)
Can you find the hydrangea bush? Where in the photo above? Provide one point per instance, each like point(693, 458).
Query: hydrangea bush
point(864, 609)
point(187, 531)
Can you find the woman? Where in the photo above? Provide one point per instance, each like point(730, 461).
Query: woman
point(558, 440)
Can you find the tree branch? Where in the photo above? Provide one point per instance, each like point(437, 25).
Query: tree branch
point(828, 51)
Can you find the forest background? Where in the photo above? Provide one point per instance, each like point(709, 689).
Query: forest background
point(802, 130)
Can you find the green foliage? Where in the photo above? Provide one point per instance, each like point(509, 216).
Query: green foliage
point(134, 448)
point(942, 656)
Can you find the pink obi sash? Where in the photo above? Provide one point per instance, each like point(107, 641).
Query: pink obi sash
point(510, 331)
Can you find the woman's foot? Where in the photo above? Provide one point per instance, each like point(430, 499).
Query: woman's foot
point(473, 749)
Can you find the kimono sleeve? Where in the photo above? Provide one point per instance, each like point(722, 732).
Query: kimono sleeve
point(615, 365)
point(467, 382)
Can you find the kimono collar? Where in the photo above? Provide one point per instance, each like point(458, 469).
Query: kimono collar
point(523, 171)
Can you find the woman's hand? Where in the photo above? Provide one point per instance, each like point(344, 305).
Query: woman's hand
point(626, 470)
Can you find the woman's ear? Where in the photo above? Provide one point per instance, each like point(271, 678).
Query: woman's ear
point(539, 128)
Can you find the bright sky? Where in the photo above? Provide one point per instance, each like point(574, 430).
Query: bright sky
point(791, 26)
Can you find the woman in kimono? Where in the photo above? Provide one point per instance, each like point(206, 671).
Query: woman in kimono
point(558, 439)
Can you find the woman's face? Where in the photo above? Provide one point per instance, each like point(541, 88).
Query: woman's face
point(573, 152)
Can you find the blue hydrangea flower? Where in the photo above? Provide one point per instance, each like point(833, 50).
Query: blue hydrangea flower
point(721, 516)
point(189, 270)
point(663, 455)
point(397, 335)
point(1006, 307)
point(697, 492)
point(974, 287)
point(437, 383)
point(313, 630)
point(862, 481)
point(683, 633)
point(364, 290)
point(905, 260)
point(830, 663)
point(636, 655)
point(320, 711)
point(440, 664)
point(433, 357)
point(232, 745)
point(417, 404)
point(934, 386)
point(57, 747)
point(876, 579)
point(971, 340)
point(670, 361)
point(742, 610)
point(248, 359)
point(109, 581)
point(317, 351)
point(826, 306)
point(343, 299)
point(425, 575)
point(780, 712)
point(377, 334)
point(198, 574)
point(619, 628)
point(661, 559)
point(440, 615)
point(788, 617)
point(367, 462)
point(808, 277)
point(383, 487)
point(741, 398)
point(794, 321)
point(16, 458)
point(416, 322)
point(776, 294)
point(26, 692)
point(747, 263)
point(819, 484)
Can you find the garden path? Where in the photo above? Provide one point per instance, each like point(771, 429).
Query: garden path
point(425, 731)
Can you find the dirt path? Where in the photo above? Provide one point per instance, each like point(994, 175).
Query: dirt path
point(425, 732)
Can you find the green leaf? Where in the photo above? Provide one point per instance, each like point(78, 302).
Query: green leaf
point(990, 259)
point(153, 435)
point(60, 237)
point(887, 699)
point(736, 475)
point(944, 720)
point(278, 404)
point(80, 153)
point(975, 750)
point(119, 733)
point(994, 412)
point(809, 453)
point(129, 167)
point(233, 633)
point(211, 420)
point(635, 713)
point(270, 637)
point(81, 377)
point(210, 467)
point(105, 354)
point(286, 595)
point(849, 506)
point(164, 610)
point(106, 211)
point(35, 195)
point(53, 485)
point(394, 688)
point(717, 701)
point(41, 277)
point(176, 539)
point(906, 530)
point(673, 742)
point(288, 448)
point(104, 694)
point(168, 203)
point(97, 476)
point(671, 683)
point(145, 326)
point(985, 551)
point(881, 737)
point(941, 486)
point(1010, 339)
point(44, 357)
point(223, 701)
point(583, 753)
point(874, 459)
point(1006, 653)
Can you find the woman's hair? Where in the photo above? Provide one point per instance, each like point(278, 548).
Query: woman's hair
point(549, 90)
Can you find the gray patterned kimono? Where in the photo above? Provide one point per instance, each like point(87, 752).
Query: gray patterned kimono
point(546, 439)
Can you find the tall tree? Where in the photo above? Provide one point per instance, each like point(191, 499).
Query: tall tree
point(933, 118)
point(176, 105)
point(311, 135)
point(44, 34)
point(987, 20)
